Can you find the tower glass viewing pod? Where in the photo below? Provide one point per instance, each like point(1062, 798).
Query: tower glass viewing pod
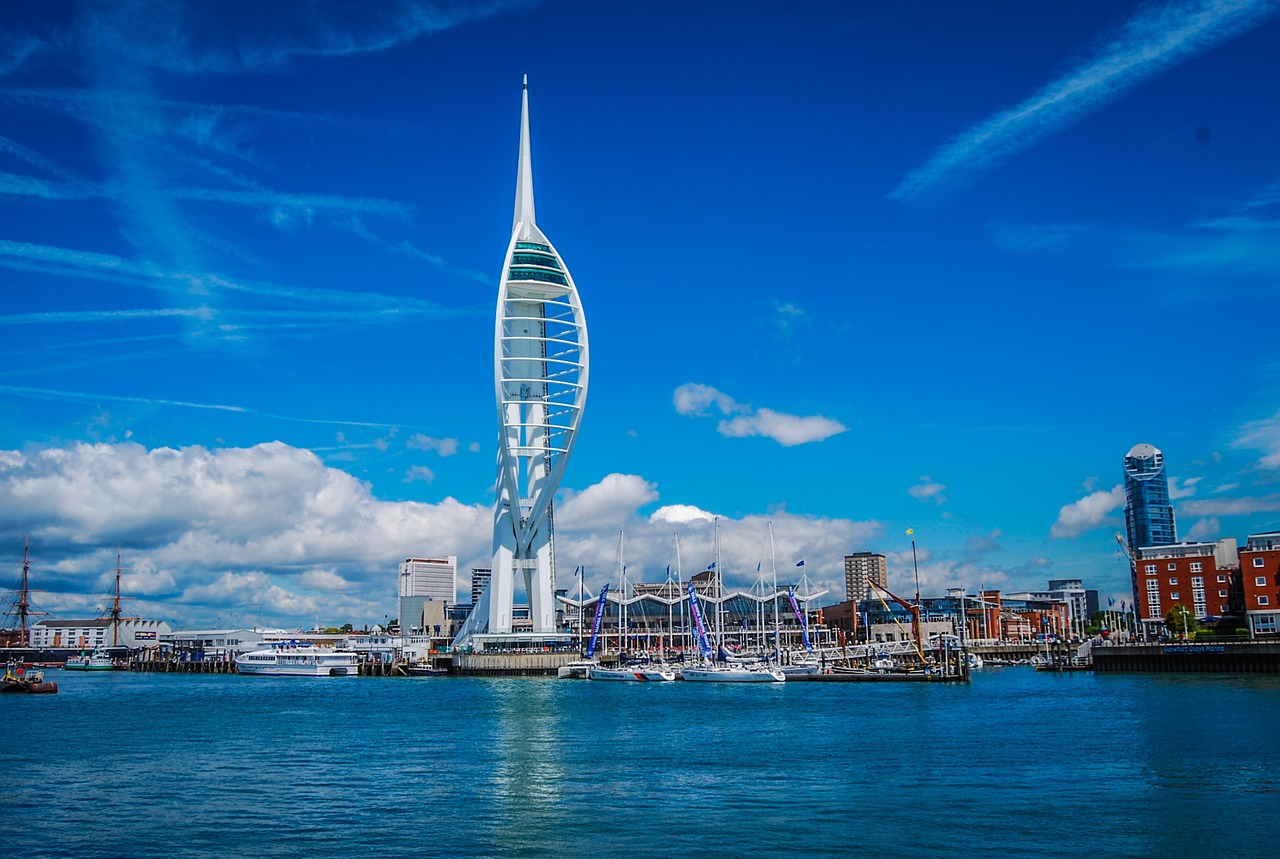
point(540, 375)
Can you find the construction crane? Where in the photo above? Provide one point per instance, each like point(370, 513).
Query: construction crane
point(915, 615)
point(1133, 572)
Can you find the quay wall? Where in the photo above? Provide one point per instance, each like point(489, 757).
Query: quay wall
point(1194, 658)
point(511, 664)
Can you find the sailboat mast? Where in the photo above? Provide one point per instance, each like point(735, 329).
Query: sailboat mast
point(719, 581)
point(24, 598)
point(773, 563)
point(115, 607)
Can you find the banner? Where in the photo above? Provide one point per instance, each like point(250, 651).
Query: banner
point(696, 609)
point(595, 625)
point(804, 624)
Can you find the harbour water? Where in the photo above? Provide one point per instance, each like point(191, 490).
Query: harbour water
point(1015, 763)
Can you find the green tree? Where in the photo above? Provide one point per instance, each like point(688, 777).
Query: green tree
point(346, 627)
point(1181, 621)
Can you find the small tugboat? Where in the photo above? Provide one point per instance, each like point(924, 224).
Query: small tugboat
point(31, 683)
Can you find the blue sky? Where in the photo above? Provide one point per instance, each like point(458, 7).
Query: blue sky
point(849, 268)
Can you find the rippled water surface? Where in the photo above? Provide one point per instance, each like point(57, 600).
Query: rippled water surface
point(1014, 764)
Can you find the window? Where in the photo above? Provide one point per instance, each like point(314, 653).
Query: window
point(1260, 581)
point(1196, 566)
point(1173, 580)
point(1151, 568)
point(1153, 586)
point(1222, 578)
point(1263, 599)
point(1265, 623)
point(1174, 596)
point(1197, 581)
point(1173, 565)
point(1222, 594)
point(1259, 562)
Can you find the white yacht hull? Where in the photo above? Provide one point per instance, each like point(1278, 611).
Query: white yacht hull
point(636, 674)
point(733, 674)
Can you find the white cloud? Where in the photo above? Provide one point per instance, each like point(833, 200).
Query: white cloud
point(419, 472)
point(200, 521)
point(324, 580)
point(1156, 39)
point(1186, 490)
point(442, 446)
point(786, 430)
point(1263, 435)
point(269, 534)
point(1092, 511)
point(1233, 506)
point(928, 490)
point(692, 398)
point(1204, 530)
point(680, 514)
point(608, 504)
point(744, 421)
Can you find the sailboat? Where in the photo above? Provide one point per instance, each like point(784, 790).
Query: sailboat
point(578, 668)
point(100, 659)
point(722, 672)
point(627, 673)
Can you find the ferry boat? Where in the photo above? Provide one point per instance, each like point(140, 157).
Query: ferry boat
point(98, 660)
point(299, 660)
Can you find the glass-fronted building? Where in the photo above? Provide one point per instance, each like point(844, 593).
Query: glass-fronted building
point(1148, 515)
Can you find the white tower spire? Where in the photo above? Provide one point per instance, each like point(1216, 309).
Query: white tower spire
point(540, 374)
point(524, 169)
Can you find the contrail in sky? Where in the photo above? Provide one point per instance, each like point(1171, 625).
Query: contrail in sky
point(1154, 40)
point(47, 393)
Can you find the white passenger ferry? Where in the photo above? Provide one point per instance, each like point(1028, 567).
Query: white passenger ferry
point(300, 660)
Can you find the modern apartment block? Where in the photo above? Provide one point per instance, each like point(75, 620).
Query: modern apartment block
point(1260, 578)
point(1199, 576)
point(861, 570)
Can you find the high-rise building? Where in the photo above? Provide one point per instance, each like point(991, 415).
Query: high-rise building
point(861, 570)
point(430, 577)
point(479, 581)
point(1148, 515)
point(540, 367)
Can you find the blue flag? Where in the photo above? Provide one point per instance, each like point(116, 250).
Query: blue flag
point(1111, 601)
point(711, 566)
point(799, 563)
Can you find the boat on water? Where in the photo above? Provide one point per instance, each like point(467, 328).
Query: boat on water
point(632, 673)
point(576, 670)
point(98, 660)
point(734, 674)
point(805, 667)
point(425, 670)
point(709, 671)
point(299, 660)
point(18, 680)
